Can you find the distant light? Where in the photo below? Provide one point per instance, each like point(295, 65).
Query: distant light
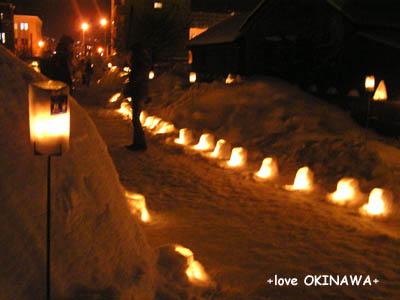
point(192, 77)
point(103, 22)
point(41, 44)
point(158, 5)
point(381, 92)
point(303, 180)
point(152, 75)
point(85, 26)
point(268, 170)
point(370, 83)
point(100, 50)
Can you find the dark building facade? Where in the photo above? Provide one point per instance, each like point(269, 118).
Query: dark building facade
point(332, 42)
point(7, 25)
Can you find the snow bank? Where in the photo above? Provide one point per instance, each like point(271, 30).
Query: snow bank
point(99, 250)
point(272, 118)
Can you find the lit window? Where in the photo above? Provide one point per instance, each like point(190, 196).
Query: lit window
point(3, 37)
point(24, 26)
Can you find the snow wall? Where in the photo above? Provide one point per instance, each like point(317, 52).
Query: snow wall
point(99, 250)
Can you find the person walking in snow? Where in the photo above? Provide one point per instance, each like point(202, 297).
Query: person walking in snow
point(137, 89)
point(60, 64)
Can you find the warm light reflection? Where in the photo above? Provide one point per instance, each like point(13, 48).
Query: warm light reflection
point(381, 92)
point(238, 158)
point(370, 83)
point(303, 180)
point(268, 170)
point(222, 150)
point(137, 204)
point(114, 98)
point(195, 271)
point(378, 204)
point(192, 77)
point(165, 128)
point(347, 191)
point(185, 137)
point(125, 110)
point(206, 143)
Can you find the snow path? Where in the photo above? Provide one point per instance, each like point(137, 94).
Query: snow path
point(244, 232)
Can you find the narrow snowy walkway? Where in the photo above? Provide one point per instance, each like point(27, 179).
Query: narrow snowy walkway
point(244, 232)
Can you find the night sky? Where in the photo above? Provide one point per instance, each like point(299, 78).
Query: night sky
point(65, 16)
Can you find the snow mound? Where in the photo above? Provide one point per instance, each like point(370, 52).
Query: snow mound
point(99, 250)
point(270, 117)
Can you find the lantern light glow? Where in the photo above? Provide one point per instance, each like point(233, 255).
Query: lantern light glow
point(222, 150)
point(192, 77)
point(152, 75)
point(303, 180)
point(238, 158)
point(378, 204)
point(381, 92)
point(165, 128)
point(347, 191)
point(268, 170)
point(125, 110)
point(185, 137)
point(115, 98)
point(206, 143)
point(370, 83)
point(230, 79)
point(143, 116)
point(137, 204)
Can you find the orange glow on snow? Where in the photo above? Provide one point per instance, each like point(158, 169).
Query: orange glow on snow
point(222, 150)
point(143, 117)
point(45, 126)
point(268, 170)
point(114, 98)
point(165, 128)
point(185, 137)
point(347, 190)
point(195, 271)
point(109, 65)
point(154, 123)
point(303, 180)
point(370, 83)
point(230, 79)
point(206, 143)
point(125, 110)
point(137, 204)
point(381, 92)
point(126, 69)
point(192, 77)
point(238, 158)
point(378, 204)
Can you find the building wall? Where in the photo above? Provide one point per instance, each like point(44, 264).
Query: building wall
point(28, 33)
point(7, 25)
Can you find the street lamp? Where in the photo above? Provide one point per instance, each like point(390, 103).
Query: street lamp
point(49, 124)
point(103, 24)
point(84, 27)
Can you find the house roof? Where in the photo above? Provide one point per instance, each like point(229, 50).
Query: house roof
point(368, 14)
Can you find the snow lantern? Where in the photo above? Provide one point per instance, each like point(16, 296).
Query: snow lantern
point(238, 158)
point(127, 69)
point(148, 122)
point(381, 92)
point(206, 143)
point(143, 116)
point(303, 180)
point(137, 204)
point(49, 117)
point(152, 75)
point(35, 66)
point(370, 83)
point(347, 190)
point(154, 123)
point(222, 150)
point(114, 98)
point(125, 110)
point(192, 77)
point(268, 170)
point(230, 79)
point(158, 5)
point(109, 65)
point(195, 271)
point(185, 137)
point(378, 205)
point(165, 128)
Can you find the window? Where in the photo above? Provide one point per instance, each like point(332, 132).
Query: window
point(24, 26)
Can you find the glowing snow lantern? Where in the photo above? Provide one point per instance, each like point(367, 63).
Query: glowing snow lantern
point(114, 68)
point(158, 5)
point(192, 77)
point(165, 128)
point(230, 79)
point(185, 137)
point(143, 117)
point(137, 204)
point(268, 170)
point(109, 65)
point(125, 110)
point(381, 92)
point(303, 180)
point(152, 75)
point(154, 123)
point(222, 150)
point(35, 66)
point(126, 69)
point(149, 121)
point(347, 190)
point(378, 204)
point(195, 271)
point(370, 83)
point(114, 98)
point(49, 117)
point(206, 143)
point(238, 158)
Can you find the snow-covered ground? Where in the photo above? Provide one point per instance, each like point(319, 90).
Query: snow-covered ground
point(243, 231)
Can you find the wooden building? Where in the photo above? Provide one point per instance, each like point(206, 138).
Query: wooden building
point(331, 42)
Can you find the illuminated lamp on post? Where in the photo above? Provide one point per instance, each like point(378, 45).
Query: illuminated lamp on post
point(49, 122)
point(369, 89)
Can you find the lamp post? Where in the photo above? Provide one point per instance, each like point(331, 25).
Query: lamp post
point(49, 123)
point(84, 27)
point(103, 24)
